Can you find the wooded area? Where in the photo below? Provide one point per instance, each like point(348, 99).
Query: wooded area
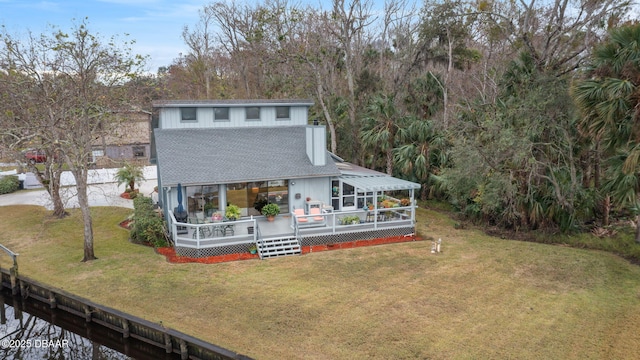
point(474, 100)
point(522, 115)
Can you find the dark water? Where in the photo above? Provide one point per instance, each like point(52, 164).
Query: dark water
point(29, 329)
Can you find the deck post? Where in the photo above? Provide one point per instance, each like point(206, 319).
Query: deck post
point(168, 347)
point(184, 351)
point(13, 274)
point(3, 311)
point(52, 300)
point(125, 328)
point(13, 271)
point(413, 207)
point(87, 313)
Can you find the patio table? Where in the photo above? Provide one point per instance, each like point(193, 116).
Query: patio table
point(222, 227)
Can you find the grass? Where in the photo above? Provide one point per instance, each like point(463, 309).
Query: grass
point(482, 297)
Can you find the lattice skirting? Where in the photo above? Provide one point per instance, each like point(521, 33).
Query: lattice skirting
point(214, 251)
point(311, 240)
point(308, 240)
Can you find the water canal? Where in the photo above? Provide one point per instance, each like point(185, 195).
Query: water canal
point(30, 329)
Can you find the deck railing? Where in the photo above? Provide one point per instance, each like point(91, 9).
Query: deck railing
point(354, 220)
point(208, 235)
point(203, 236)
point(13, 270)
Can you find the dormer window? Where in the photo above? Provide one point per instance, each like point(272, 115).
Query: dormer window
point(221, 114)
point(188, 114)
point(253, 113)
point(282, 113)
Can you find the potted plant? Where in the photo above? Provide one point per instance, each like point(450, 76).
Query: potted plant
point(253, 248)
point(351, 220)
point(232, 212)
point(270, 211)
point(209, 208)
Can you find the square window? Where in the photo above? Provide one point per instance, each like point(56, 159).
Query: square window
point(138, 151)
point(188, 114)
point(253, 113)
point(220, 114)
point(282, 113)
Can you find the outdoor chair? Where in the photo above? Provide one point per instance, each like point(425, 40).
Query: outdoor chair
point(299, 213)
point(316, 211)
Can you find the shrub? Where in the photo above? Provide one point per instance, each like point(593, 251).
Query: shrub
point(271, 209)
point(148, 227)
point(129, 174)
point(233, 212)
point(349, 220)
point(9, 184)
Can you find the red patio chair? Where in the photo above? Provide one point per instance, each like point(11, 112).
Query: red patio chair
point(316, 211)
point(299, 213)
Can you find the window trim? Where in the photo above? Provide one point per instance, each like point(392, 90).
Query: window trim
point(246, 113)
point(288, 113)
point(188, 119)
point(215, 118)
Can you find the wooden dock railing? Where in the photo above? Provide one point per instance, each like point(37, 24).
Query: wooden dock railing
point(13, 270)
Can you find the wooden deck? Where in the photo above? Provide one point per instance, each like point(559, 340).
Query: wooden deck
point(256, 228)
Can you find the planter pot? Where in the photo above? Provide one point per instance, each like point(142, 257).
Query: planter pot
point(253, 251)
point(271, 218)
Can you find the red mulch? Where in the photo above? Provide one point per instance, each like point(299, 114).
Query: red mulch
point(172, 257)
point(125, 224)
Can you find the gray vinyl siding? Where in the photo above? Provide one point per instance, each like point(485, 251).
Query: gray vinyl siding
point(316, 188)
point(171, 119)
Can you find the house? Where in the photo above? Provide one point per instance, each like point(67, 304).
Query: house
point(127, 139)
point(211, 154)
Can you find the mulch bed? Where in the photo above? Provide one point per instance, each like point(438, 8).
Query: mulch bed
point(172, 257)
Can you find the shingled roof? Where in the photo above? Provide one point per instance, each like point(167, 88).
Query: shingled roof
point(223, 156)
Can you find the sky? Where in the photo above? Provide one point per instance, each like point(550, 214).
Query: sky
point(155, 25)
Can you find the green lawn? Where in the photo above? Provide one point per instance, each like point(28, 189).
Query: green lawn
point(481, 298)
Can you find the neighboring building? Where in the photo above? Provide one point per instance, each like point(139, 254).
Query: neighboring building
point(248, 153)
point(127, 139)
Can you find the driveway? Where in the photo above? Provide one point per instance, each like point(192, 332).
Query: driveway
point(102, 191)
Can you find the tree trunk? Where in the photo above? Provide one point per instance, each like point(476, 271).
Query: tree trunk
point(83, 202)
point(638, 229)
point(54, 191)
point(327, 114)
point(51, 181)
point(606, 209)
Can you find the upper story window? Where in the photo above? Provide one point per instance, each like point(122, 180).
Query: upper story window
point(253, 113)
point(188, 114)
point(221, 114)
point(282, 113)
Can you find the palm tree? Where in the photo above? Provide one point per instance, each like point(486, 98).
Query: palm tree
point(381, 126)
point(610, 102)
point(129, 174)
point(421, 150)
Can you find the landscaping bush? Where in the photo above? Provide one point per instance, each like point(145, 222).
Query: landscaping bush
point(9, 184)
point(148, 227)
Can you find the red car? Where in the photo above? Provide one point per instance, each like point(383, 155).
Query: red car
point(35, 156)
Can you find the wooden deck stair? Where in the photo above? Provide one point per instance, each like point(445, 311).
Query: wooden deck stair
point(282, 246)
